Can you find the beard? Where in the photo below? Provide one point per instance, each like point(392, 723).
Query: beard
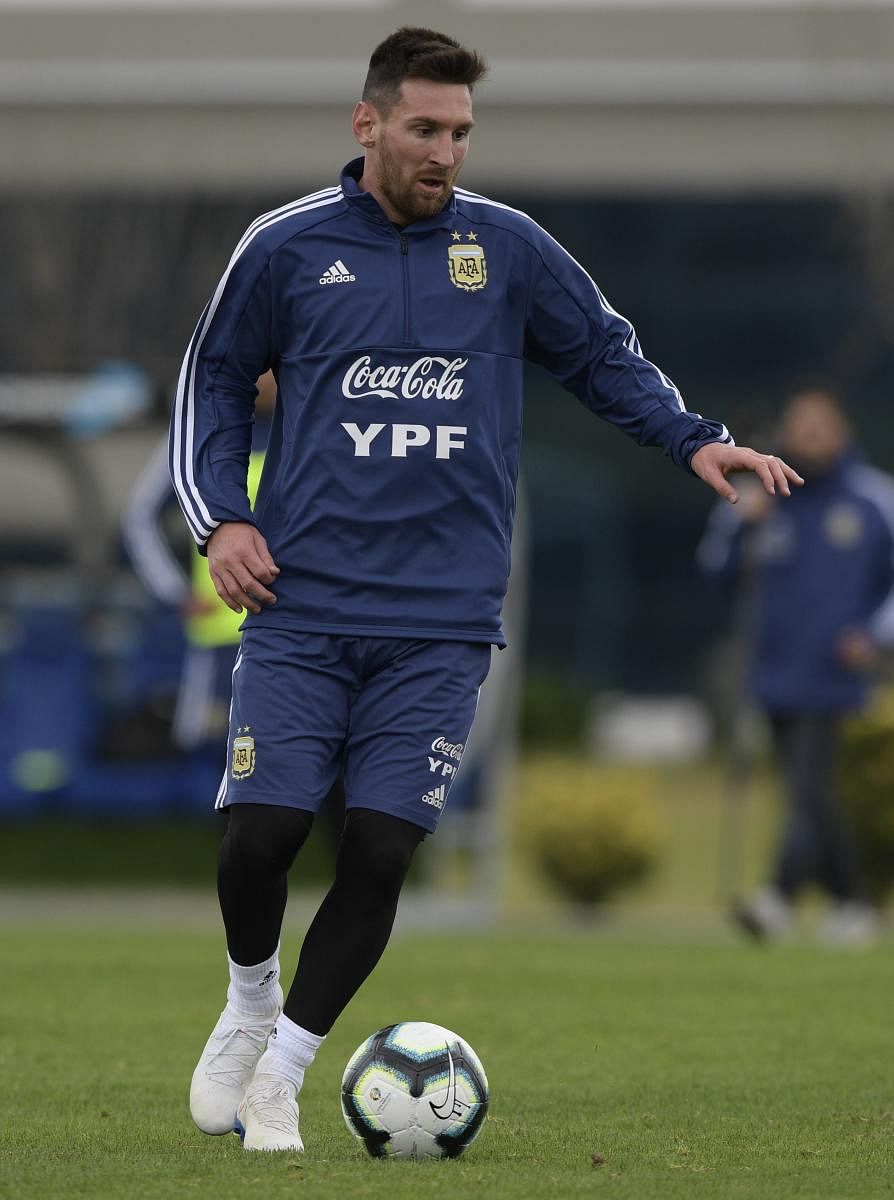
point(399, 188)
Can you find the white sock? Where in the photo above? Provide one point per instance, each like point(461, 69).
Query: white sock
point(289, 1053)
point(254, 992)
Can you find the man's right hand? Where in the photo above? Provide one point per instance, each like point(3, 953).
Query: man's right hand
point(241, 566)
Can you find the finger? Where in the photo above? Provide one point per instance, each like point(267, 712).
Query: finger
point(236, 592)
point(779, 477)
point(259, 566)
point(222, 590)
point(265, 556)
point(791, 473)
point(241, 563)
point(762, 470)
point(716, 479)
point(254, 588)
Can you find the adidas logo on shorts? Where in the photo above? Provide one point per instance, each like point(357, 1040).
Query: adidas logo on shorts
point(338, 273)
point(436, 797)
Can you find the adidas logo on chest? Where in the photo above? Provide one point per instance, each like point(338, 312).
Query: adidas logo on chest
point(337, 273)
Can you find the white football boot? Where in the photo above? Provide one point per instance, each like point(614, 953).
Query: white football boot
point(267, 1118)
point(851, 923)
point(224, 1070)
point(767, 916)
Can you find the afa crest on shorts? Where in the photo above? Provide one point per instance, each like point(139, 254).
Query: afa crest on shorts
point(243, 754)
point(467, 263)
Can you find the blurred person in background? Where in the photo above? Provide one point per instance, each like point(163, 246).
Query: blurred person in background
point(201, 715)
point(820, 571)
point(375, 563)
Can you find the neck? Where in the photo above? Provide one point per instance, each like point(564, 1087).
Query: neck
point(368, 183)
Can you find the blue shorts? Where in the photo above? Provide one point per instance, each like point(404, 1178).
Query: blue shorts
point(393, 714)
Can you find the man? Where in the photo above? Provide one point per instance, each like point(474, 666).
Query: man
point(395, 311)
point(822, 579)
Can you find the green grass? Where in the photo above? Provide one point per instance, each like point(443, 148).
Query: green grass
point(711, 1070)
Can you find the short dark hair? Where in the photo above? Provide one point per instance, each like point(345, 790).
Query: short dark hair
point(817, 384)
point(415, 53)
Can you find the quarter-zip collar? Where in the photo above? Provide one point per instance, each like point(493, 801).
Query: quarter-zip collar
point(367, 206)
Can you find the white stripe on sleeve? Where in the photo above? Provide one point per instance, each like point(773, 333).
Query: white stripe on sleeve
point(194, 507)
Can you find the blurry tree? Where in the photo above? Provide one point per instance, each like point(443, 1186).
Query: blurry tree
point(867, 787)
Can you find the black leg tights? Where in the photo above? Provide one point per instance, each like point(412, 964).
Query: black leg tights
point(257, 850)
point(353, 924)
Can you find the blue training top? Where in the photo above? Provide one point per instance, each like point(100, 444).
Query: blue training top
point(823, 563)
point(388, 493)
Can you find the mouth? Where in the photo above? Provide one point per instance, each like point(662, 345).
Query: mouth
point(432, 186)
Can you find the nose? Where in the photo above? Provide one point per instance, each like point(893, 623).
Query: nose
point(442, 151)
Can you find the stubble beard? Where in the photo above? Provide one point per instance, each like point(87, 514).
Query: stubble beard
point(408, 204)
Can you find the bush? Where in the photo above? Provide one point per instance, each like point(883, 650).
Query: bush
point(867, 790)
point(590, 829)
point(553, 713)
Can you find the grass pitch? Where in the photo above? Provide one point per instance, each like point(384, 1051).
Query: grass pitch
point(618, 1069)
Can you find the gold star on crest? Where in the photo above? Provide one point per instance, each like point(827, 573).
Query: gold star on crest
point(473, 237)
point(456, 235)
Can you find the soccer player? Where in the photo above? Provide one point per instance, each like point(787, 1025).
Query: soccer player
point(396, 311)
point(821, 573)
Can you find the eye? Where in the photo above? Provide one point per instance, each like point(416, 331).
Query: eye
point(461, 135)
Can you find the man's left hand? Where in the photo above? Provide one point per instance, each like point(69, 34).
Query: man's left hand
point(716, 460)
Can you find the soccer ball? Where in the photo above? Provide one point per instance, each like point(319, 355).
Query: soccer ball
point(414, 1090)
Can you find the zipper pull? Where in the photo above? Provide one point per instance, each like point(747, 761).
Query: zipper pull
point(404, 244)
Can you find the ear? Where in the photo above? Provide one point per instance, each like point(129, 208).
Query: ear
point(364, 123)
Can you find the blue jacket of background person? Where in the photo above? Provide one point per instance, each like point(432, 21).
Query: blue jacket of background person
point(821, 563)
point(389, 488)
